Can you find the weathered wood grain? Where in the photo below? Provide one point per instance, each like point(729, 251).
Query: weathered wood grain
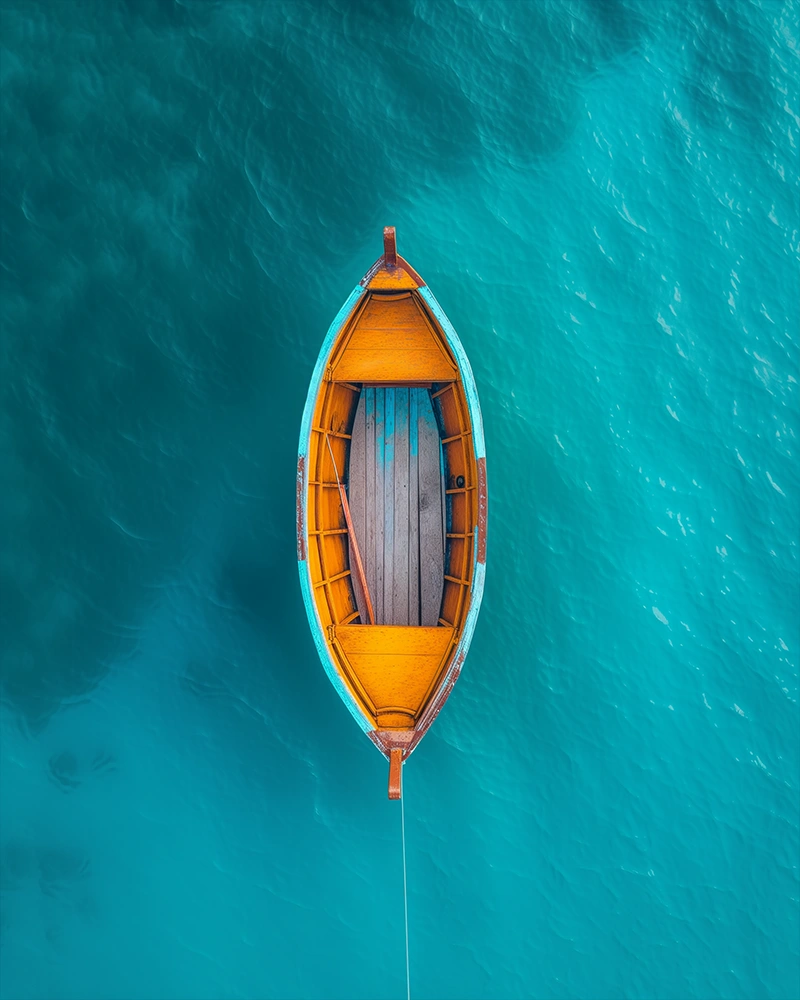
point(369, 487)
point(413, 505)
point(388, 509)
point(380, 466)
point(431, 541)
point(400, 613)
point(396, 498)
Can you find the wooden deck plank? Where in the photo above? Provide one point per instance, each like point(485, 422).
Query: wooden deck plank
point(388, 509)
point(444, 497)
point(431, 540)
point(413, 506)
point(369, 490)
point(401, 514)
point(380, 426)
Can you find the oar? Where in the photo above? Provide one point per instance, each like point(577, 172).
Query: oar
point(360, 574)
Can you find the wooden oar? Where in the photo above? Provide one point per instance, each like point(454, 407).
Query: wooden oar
point(361, 576)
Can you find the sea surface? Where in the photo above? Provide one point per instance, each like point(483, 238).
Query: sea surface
point(604, 197)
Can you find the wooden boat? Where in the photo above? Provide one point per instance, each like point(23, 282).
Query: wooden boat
point(391, 506)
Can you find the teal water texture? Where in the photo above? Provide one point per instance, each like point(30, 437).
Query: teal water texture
point(603, 197)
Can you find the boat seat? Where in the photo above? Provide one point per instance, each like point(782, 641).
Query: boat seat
point(397, 666)
point(393, 342)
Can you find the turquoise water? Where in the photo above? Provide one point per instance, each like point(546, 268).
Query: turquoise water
point(604, 199)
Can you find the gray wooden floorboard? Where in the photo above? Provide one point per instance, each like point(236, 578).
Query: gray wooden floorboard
point(400, 613)
point(396, 497)
point(413, 506)
point(380, 465)
point(367, 401)
point(431, 541)
point(388, 510)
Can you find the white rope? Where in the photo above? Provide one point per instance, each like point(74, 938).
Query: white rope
point(405, 889)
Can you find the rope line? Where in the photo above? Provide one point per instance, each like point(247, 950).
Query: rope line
point(405, 889)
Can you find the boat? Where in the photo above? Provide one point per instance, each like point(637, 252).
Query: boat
point(392, 506)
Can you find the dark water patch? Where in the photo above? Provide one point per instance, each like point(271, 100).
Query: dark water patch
point(55, 869)
point(60, 869)
point(621, 26)
point(257, 589)
point(69, 771)
point(17, 863)
point(64, 770)
point(729, 78)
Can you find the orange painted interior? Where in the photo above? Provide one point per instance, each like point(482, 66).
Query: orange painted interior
point(393, 341)
point(390, 338)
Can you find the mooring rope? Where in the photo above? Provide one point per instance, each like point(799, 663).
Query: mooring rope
point(405, 889)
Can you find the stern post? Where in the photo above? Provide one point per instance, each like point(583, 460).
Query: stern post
point(395, 773)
